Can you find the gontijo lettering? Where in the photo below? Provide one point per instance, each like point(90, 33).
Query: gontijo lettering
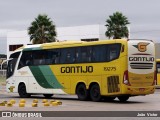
point(77, 69)
point(149, 59)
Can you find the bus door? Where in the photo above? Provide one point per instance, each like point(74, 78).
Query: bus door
point(10, 83)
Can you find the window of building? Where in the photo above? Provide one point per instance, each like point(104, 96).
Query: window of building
point(14, 47)
point(90, 39)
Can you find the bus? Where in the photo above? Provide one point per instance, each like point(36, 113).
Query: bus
point(158, 72)
point(118, 68)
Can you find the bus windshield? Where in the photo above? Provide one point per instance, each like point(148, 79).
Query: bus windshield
point(12, 63)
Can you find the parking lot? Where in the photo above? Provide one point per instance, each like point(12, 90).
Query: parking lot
point(71, 103)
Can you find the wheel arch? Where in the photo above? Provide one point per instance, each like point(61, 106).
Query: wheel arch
point(93, 83)
point(21, 84)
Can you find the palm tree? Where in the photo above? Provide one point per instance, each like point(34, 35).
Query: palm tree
point(117, 26)
point(42, 30)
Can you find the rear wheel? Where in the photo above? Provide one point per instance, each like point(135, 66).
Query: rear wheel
point(123, 98)
point(22, 91)
point(82, 92)
point(48, 95)
point(95, 93)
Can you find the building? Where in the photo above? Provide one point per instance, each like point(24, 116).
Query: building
point(17, 39)
point(84, 33)
point(157, 50)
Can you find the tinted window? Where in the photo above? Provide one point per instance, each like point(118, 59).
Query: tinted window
point(85, 54)
point(100, 53)
point(26, 59)
point(39, 57)
point(52, 56)
point(114, 51)
point(158, 67)
point(68, 55)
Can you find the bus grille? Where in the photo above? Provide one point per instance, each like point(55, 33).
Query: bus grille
point(113, 82)
point(141, 65)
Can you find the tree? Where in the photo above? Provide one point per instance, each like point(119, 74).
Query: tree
point(42, 30)
point(117, 26)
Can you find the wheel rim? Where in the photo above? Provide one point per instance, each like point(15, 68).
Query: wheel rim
point(95, 92)
point(23, 90)
point(82, 92)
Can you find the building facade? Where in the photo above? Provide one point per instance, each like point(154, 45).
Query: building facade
point(83, 33)
point(17, 39)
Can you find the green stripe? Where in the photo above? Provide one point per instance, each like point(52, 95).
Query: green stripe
point(45, 77)
point(30, 49)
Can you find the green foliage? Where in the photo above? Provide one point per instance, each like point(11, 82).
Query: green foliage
point(42, 30)
point(117, 26)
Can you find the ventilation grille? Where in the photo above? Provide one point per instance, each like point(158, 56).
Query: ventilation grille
point(141, 65)
point(112, 83)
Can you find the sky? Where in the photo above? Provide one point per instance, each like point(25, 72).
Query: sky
point(144, 15)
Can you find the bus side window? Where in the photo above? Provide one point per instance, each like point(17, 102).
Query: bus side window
point(114, 51)
point(52, 56)
point(86, 54)
point(99, 53)
point(39, 57)
point(68, 55)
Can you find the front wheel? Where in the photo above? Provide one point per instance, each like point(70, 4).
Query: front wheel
point(95, 93)
point(22, 91)
point(123, 98)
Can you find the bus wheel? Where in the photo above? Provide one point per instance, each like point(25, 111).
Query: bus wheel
point(95, 93)
point(123, 98)
point(48, 95)
point(82, 92)
point(22, 91)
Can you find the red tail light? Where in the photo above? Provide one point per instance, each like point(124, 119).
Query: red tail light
point(126, 78)
point(155, 78)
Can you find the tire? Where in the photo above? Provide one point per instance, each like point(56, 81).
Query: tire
point(82, 92)
point(22, 91)
point(123, 98)
point(95, 93)
point(48, 95)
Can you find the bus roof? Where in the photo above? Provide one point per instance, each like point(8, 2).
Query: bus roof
point(68, 43)
point(62, 44)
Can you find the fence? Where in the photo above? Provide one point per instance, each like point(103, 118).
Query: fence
point(2, 73)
